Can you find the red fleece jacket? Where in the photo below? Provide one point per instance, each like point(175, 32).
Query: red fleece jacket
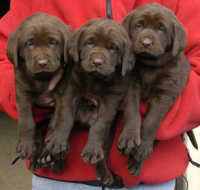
point(169, 159)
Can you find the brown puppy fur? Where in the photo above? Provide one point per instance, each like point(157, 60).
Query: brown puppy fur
point(98, 83)
point(160, 74)
point(37, 48)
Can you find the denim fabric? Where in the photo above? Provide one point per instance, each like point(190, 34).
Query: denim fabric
point(39, 183)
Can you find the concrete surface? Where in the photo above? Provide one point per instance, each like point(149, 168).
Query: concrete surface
point(17, 177)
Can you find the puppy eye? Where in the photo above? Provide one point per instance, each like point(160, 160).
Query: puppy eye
point(52, 43)
point(29, 43)
point(89, 43)
point(113, 48)
point(162, 28)
point(139, 24)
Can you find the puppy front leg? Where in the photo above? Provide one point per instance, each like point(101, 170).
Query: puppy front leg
point(26, 126)
point(96, 150)
point(129, 139)
point(56, 142)
point(130, 136)
point(158, 107)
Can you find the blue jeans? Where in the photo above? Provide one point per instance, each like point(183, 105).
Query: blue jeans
point(39, 183)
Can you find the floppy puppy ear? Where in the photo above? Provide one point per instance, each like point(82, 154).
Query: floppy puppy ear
point(12, 48)
point(179, 41)
point(67, 34)
point(126, 23)
point(128, 60)
point(73, 45)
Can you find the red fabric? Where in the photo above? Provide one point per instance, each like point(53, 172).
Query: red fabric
point(183, 116)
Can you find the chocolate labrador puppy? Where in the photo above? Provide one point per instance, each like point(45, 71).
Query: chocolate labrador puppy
point(98, 83)
point(37, 48)
point(160, 74)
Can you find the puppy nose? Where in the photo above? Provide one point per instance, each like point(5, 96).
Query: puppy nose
point(97, 61)
point(147, 42)
point(42, 63)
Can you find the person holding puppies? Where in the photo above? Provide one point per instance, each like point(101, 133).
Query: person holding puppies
point(169, 159)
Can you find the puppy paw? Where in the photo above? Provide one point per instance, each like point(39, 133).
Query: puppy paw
point(92, 154)
point(127, 142)
point(55, 163)
point(45, 159)
point(54, 153)
point(34, 165)
point(57, 144)
point(143, 151)
point(26, 148)
point(105, 178)
point(134, 167)
point(104, 175)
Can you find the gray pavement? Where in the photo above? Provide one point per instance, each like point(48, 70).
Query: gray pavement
point(15, 177)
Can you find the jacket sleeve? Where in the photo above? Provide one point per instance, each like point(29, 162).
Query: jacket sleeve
point(185, 113)
point(7, 92)
point(18, 11)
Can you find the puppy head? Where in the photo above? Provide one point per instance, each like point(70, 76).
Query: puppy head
point(154, 30)
point(39, 44)
point(101, 46)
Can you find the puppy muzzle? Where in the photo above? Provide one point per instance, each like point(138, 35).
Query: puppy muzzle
point(147, 42)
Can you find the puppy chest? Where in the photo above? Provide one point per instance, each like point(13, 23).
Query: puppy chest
point(39, 90)
point(148, 81)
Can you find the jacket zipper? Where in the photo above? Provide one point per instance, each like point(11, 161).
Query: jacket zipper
point(109, 9)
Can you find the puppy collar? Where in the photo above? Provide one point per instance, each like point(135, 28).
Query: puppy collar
point(55, 80)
